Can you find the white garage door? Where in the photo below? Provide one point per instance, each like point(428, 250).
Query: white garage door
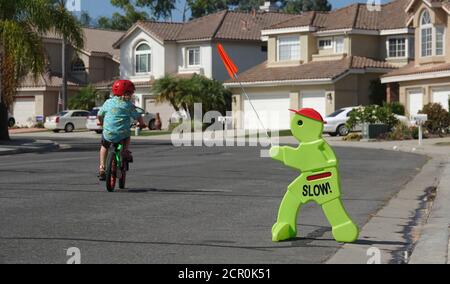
point(24, 111)
point(415, 101)
point(441, 96)
point(273, 109)
point(315, 100)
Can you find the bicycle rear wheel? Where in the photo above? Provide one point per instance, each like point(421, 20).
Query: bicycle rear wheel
point(123, 176)
point(111, 171)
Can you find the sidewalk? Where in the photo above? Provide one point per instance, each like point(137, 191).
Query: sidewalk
point(414, 226)
point(20, 146)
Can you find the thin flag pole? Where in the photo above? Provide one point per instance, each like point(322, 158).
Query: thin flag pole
point(232, 71)
point(251, 103)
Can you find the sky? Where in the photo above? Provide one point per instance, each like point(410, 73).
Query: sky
point(98, 8)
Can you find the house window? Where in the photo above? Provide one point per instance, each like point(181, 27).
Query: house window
point(440, 31)
point(339, 45)
point(143, 58)
point(397, 47)
point(78, 65)
point(288, 48)
point(426, 32)
point(193, 56)
point(326, 43)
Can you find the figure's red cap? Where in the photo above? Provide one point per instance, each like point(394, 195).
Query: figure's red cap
point(310, 113)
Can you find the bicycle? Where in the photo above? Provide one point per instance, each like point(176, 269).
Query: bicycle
point(116, 166)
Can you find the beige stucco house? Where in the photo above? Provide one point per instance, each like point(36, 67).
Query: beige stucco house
point(150, 50)
point(323, 60)
point(427, 78)
point(98, 61)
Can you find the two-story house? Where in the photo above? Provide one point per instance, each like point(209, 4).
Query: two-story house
point(150, 50)
point(323, 60)
point(427, 78)
point(98, 61)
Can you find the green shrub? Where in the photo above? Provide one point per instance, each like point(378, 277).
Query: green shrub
point(353, 137)
point(438, 119)
point(85, 99)
point(39, 125)
point(372, 114)
point(400, 132)
point(396, 108)
point(415, 132)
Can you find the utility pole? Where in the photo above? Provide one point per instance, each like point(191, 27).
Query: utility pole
point(64, 75)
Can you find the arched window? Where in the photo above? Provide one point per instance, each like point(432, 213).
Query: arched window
point(78, 65)
point(143, 62)
point(426, 34)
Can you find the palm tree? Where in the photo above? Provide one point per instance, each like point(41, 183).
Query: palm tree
point(167, 88)
point(22, 25)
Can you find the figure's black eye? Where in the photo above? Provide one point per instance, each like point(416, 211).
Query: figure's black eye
point(300, 123)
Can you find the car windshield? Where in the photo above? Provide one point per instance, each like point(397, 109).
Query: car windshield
point(94, 112)
point(63, 113)
point(336, 113)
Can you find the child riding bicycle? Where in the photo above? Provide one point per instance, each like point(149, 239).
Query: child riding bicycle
point(116, 117)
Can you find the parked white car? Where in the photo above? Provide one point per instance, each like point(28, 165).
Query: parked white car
point(335, 123)
point(91, 123)
point(67, 120)
point(11, 120)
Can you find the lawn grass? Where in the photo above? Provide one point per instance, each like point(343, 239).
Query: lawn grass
point(151, 133)
point(281, 133)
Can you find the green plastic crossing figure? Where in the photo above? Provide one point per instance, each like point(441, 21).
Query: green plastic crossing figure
point(319, 180)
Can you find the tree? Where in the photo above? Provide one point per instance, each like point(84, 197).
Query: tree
point(23, 23)
point(85, 19)
point(183, 93)
point(85, 99)
point(200, 8)
point(167, 88)
point(299, 6)
point(133, 12)
point(122, 21)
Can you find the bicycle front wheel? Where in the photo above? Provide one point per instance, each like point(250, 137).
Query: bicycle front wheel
point(111, 171)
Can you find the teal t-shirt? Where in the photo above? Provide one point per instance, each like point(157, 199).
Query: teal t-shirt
point(118, 115)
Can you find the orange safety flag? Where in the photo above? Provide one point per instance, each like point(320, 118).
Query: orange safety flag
point(229, 64)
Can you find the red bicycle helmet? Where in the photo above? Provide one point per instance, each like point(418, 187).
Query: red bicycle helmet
point(122, 87)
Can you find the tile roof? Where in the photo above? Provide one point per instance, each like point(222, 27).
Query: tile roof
point(166, 31)
point(411, 69)
point(46, 80)
point(108, 84)
point(357, 16)
point(230, 25)
point(310, 71)
point(97, 41)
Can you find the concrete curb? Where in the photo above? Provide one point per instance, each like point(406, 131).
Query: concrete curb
point(433, 245)
point(394, 229)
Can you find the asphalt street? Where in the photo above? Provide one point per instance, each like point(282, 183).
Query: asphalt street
point(181, 205)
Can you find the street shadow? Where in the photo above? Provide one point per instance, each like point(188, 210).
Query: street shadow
point(159, 190)
point(222, 244)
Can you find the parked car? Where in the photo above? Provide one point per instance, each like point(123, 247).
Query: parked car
point(335, 123)
point(67, 120)
point(91, 123)
point(11, 120)
point(149, 118)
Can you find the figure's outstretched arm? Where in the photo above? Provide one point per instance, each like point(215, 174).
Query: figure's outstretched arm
point(287, 155)
point(277, 153)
